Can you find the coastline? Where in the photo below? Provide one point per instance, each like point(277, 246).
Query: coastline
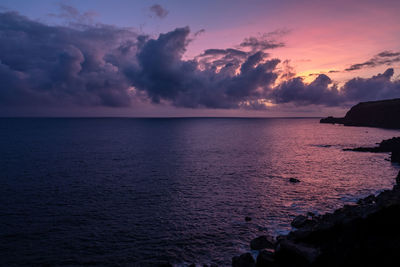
point(365, 233)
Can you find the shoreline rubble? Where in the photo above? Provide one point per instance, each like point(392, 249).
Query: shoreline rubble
point(364, 233)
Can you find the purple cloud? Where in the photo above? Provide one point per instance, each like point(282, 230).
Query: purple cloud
point(322, 91)
point(383, 58)
point(159, 11)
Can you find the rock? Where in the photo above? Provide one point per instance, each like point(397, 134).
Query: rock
point(265, 259)
point(294, 180)
point(311, 214)
point(299, 221)
point(389, 145)
point(398, 179)
point(247, 219)
point(364, 149)
point(395, 157)
point(297, 252)
point(262, 242)
point(244, 260)
point(368, 200)
point(332, 120)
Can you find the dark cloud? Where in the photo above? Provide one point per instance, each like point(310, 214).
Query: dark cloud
point(389, 54)
point(217, 58)
point(224, 52)
point(159, 11)
point(261, 43)
point(54, 65)
point(100, 65)
point(199, 32)
point(322, 91)
point(317, 92)
point(377, 87)
point(163, 74)
point(383, 58)
point(277, 33)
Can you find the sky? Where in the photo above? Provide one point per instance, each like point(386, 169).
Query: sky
point(196, 58)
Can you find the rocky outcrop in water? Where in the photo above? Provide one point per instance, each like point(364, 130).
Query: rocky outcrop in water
point(294, 180)
point(364, 234)
point(262, 242)
point(332, 120)
point(390, 145)
point(384, 114)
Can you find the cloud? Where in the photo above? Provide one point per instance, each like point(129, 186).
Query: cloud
point(101, 65)
point(322, 91)
point(277, 33)
point(317, 92)
point(199, 32)
point(375, 88)
point(96, 65)
point(229, 82)
point(383, 58)
point(159, 11)
point(261, 43)
point(54, 65)
point(73, 15)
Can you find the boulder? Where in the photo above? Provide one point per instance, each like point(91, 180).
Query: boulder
point(265, 259)
point(247, 219)
point(262, 242)
point(299, 221)
point(244, 260)
point(395, 157)
point(366, 201)
point(299, 253)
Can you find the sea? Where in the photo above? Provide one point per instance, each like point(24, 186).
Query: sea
point(147, 191)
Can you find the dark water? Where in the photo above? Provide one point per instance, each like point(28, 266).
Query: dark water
point(125, 192)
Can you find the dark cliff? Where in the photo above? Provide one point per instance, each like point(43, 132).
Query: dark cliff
point(384, 114)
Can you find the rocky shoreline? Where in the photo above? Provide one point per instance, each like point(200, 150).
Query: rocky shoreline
point(366, 233)
point(363, 233)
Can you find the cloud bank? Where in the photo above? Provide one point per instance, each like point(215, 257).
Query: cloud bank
point(101, 65)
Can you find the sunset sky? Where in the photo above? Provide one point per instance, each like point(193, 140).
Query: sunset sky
point(196, 58)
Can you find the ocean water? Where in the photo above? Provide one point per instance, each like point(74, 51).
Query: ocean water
point(138, 192)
